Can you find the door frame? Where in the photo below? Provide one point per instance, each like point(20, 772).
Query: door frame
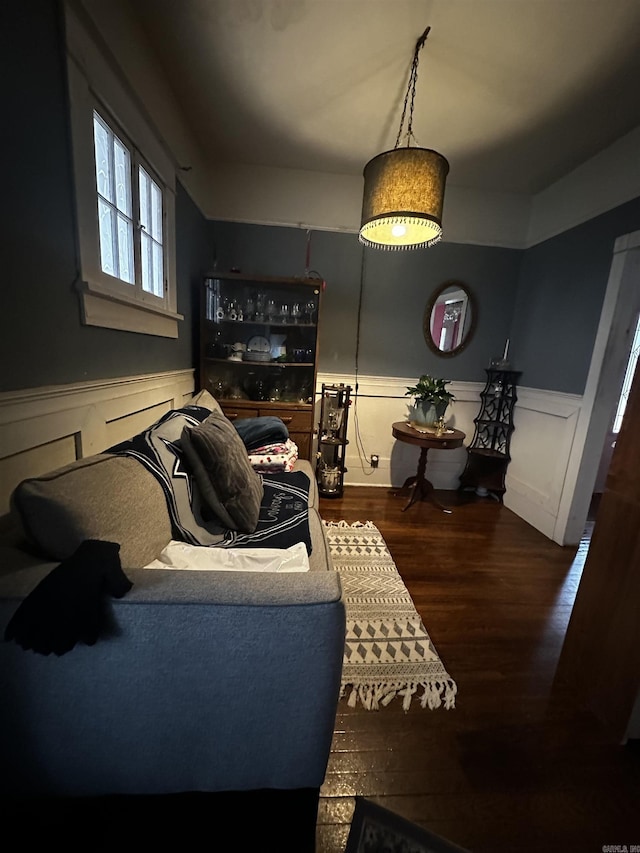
point(603, 386)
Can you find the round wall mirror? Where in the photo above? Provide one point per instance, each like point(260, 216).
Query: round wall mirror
point(449, 318)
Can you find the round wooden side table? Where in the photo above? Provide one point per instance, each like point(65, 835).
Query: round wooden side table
point(418, 487)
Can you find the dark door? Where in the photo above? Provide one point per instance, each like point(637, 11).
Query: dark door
point(600, 658)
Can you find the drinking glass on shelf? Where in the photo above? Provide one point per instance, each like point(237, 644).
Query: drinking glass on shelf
point(296, 312)
point(275, 393)
point(309, 311)
point(250, 308)
point(271, 310)
point(284, 313)
point(223, 307)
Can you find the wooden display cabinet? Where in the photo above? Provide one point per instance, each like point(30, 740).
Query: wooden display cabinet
point(259, 348)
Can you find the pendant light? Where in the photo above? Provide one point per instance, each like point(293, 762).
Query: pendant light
point(404, 188)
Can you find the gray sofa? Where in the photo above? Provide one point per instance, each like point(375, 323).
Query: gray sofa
point(208, 682)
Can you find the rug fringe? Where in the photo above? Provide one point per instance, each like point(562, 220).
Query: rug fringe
point(373, 696)
point(368, 524)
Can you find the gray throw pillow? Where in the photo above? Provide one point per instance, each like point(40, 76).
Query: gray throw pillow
point(220, 464)
point(99, 497)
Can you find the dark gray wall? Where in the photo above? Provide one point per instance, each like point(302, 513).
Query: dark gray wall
point(560, 296)
point(42, 341)
point(547, 299)
point(396, 287)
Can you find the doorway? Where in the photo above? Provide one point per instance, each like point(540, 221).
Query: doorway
point(616, 420)
point(609, 360)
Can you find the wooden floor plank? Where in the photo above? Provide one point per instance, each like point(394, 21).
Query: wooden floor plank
point(516, 766)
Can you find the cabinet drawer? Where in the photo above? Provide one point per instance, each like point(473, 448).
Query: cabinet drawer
point(303, 441)
point(294, 421)
point(233, 412)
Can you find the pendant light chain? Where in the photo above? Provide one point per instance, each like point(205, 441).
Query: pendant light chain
point(411, 90)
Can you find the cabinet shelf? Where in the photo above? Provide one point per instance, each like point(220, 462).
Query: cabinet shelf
point(246, 363)
point(263, 323)
point(333, 441)
point(270, 406)
point(488, 452)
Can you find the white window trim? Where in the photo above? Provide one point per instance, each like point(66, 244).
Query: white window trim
point(93, 83)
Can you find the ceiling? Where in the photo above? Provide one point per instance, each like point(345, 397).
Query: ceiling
point(514, 93)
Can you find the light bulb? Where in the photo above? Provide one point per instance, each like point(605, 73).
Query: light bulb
point(398, 230)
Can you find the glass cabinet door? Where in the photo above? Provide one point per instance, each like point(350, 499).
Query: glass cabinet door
point(258, 348)
point(259, 339)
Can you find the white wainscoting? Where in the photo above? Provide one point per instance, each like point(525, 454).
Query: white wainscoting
point(541, 445)
point(379, 402)
point(545, 424)
point(45, 428)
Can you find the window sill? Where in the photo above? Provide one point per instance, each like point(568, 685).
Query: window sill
point(101, 307)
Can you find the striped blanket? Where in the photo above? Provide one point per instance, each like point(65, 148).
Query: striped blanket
point(284, 514)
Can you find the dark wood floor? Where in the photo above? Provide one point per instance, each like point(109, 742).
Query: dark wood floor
point(515, 766)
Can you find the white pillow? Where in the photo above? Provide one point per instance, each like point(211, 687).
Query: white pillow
point(181, 555)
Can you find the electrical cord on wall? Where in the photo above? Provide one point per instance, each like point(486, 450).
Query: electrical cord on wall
point(367, 468)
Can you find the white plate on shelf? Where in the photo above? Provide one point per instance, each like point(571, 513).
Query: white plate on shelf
point(250, 355)
point(258, 343)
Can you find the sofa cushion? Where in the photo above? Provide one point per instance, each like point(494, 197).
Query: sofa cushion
point(320, 559)
point(99, 497)
point(205, 399)
point(221, 467)
point(305, 466)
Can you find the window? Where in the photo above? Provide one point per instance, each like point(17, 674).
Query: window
point(125, 198)
point(122, 240)
point(113, 178)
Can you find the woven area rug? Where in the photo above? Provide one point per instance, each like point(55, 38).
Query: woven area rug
point(388, 652)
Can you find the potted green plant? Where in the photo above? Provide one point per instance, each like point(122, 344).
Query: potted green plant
point(430, 399)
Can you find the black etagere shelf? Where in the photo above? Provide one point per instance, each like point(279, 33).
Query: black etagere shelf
point(488, 454)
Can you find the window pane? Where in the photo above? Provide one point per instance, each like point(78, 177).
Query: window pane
point(145, 260)
point(125, 249)
point(105, 219)
point(145, 213)
point(152, 265)
point(156, 212)
point(158, 286)
point(113, 175)
point(102, 141)
point(122, 164)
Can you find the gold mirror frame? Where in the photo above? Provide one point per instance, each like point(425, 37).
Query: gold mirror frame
point(469, 325)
